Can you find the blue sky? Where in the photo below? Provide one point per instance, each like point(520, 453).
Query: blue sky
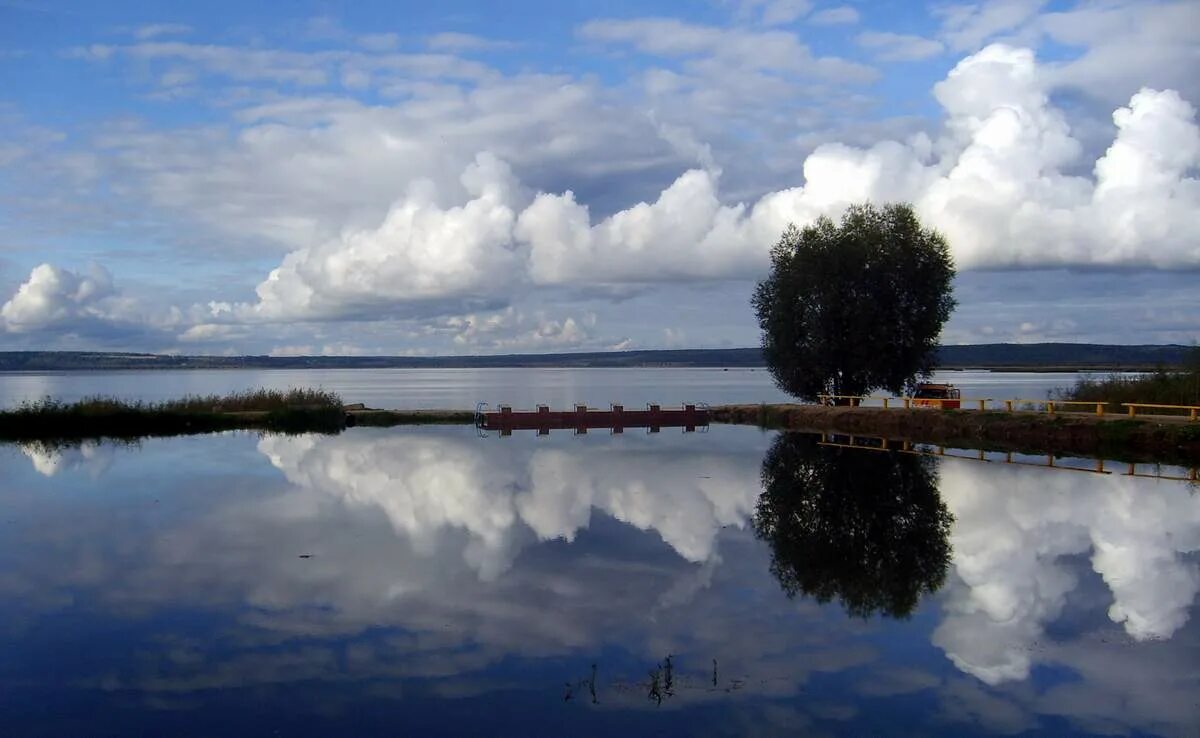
point(376, 177)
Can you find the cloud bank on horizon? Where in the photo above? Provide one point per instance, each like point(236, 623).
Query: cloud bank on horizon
point(426, 200)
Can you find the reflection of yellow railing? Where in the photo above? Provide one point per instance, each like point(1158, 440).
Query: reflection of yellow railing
point(855, 400)
point(908, 447)
point(1133, 406)
point(1051, 406)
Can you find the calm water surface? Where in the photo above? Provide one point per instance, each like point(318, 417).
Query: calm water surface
point(427, 581)
point(462, 388)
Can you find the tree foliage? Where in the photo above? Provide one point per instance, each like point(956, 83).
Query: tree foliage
point(868, 528)
point(853, 307)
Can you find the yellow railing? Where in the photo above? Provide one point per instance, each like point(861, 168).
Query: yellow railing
point(1051, 406)
point(1133, 406)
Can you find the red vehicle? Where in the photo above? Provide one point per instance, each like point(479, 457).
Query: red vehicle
point(937, 395)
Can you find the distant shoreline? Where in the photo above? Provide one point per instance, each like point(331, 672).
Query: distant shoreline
point(1150, 439)
point(1037, 357)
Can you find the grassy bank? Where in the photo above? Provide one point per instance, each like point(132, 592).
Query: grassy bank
point(1115, 437)
point(291, 411)
point(1162, 387)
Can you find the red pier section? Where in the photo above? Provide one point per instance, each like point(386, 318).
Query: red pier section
point(581, 419)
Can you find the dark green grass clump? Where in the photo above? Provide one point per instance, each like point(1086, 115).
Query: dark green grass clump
point(1158, 388)
point(290, 411)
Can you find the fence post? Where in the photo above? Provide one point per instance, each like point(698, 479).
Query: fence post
point(1132, 411)
point(1100, 408)
point(1049, 407)
point(981, 407)
point(1008, 405)
point(907, 403)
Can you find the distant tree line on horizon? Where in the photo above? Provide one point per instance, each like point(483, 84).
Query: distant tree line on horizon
point(993, 355)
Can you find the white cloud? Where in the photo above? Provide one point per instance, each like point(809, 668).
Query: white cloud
point(968, 26)
point(466, 43)
point(286, 67)
point(899, 46)
point(155, 30)
point(840, 15)
point(53, 297)
point(1015, 177)
point(211, 332)
point(996, 182)
point(516, 330)
point(379, 41)
point(1125, 46)
point(420, 253)
point(299, 171)
point(775, 12)
point(737, 49)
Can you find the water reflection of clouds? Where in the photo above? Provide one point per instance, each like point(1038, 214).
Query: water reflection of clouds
point(48, 460)
point(1014, 533)
point(427, 485)
point(430, 561)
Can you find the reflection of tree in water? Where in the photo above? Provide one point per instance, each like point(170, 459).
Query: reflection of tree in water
point(866, 527)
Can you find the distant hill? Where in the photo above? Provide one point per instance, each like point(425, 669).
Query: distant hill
point(1004, 356)
point(1062, 355)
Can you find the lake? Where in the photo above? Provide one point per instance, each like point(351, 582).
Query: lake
point(461, 389)
point(430, 581)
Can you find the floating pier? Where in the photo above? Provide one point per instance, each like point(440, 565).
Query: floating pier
point(582, 419)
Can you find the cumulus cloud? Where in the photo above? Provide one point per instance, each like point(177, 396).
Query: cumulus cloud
point(55, 306)
point(686, 233)
point(420, 253)
point(997, 182)
point(378, 222)
point(54, 297)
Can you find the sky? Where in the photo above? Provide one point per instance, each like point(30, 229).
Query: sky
point(462, 177)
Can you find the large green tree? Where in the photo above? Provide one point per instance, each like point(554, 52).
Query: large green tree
point(855, 307)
